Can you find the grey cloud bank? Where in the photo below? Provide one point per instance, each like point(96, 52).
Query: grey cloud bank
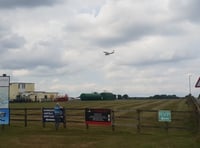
point(26, 3)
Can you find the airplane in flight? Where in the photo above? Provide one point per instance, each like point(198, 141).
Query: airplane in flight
point(108, 53)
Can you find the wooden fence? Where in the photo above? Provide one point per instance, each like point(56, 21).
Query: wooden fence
point(25, 115)
point(138, 119)
point(196, 108)
point(142, 119)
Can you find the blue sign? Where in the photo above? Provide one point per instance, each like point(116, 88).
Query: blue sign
point(48, 115)
point(4, 99)
point(4, 116)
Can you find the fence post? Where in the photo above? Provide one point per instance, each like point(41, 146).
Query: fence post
point(139, 122)
point(196, 109)
point(64, 118)
point(113, 120)
point(2, 127)
point(43, 123)
point(198, 120)
point(167, 127)
point(25, 117)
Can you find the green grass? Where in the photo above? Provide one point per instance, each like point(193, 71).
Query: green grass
point(33, 137)
point(77, 136)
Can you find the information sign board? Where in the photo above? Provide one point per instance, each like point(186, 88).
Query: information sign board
point(164, 116)
point(98, 116)
point(4, 99)
point(48, 115)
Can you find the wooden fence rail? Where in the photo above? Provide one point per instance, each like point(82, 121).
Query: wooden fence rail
point(138, 119)
point(25, 115)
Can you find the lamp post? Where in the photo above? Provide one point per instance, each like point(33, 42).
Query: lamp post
point(190, 91)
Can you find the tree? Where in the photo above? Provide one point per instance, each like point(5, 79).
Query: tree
point(125, 96)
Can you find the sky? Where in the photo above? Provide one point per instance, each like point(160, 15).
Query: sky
point(59, 45)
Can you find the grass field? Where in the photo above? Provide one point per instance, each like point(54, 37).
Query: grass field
point(77, 136)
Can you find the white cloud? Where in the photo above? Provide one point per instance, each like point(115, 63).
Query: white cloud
point(59, 45)
point(20, 73)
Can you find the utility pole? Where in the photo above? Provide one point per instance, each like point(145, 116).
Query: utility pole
point(190, 91)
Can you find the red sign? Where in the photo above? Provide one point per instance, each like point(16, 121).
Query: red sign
point(98, 116)
point(198, 83)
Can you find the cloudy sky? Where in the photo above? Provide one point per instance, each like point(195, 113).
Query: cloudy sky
point(59, 44)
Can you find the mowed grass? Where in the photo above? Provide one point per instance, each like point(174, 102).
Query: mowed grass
point(77, 136)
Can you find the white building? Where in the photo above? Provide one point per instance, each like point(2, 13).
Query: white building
point(26, 91)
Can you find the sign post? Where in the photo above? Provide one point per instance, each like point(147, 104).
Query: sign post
point(4, 99)
point(48, 116)
point(164, 116)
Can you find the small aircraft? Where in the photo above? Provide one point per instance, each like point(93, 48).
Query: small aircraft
point(108, 53)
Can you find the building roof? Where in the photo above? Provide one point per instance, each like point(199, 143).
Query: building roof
point(21, 83)
point(40, 92)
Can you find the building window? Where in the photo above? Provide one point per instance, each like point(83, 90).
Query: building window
point(21, 85)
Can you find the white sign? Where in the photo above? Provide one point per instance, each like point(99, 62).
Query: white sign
point(4, 81)
point(4, 97)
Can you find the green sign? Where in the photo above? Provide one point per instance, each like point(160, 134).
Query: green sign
point(164, 116)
